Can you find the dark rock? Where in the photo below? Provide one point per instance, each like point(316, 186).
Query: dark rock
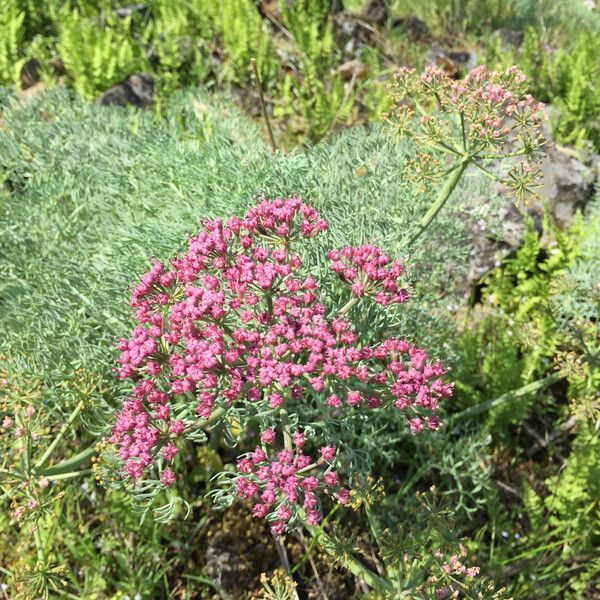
point(30, 73)
point(416, 29)
point(489, 250)
point(137, 90)
point(377, 12)
point(509, 37)
point(454, 62)
point(568, 183)
point(223, 561)
point(58, 66)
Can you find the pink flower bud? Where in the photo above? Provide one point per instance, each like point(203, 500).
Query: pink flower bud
point(167, 477)
point(268, 436)
point(327, 453)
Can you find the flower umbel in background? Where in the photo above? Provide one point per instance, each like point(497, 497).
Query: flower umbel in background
point(485, 117)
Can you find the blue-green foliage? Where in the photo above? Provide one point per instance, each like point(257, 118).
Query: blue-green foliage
point(91, 194)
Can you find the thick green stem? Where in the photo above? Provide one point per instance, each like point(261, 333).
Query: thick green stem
point(285, 425)
point(347, 560)
point(279, 545)
point(512, 395)
point(71, 464)
point(43, 461)
point(59, 476)
point(434, 209)
point(348, 306)
point(39, 544)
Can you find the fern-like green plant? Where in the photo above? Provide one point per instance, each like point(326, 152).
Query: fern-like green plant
point(177, 39)
point(98, 54)
point(41, 17)
point(318, 93)
point(11, 39)
point(244, 37)
point(579, 103)
point(521, 290)
point(489, 366)
point(567, 522)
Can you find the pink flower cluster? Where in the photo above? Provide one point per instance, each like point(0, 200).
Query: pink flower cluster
point(493, 109)
point(235, 322)
point(493, 105)
point(366, 269)
point(279, 485)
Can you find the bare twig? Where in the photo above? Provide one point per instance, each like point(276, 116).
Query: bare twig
point(285, 562)
point(313, 566)
point(509, 488)
point(263, 107)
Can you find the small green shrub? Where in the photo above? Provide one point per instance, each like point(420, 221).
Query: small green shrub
point(11, 40)
point(522, 288)
point(244, 37)
point(97, 55)
point(318, 93)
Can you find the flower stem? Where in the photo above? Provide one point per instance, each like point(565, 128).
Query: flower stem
point(434, 209)
point(43, 461)
point(343, 556)
point(285, 426)
point(38, 542)
point(70, 464)
point(348, 306)
point(512, 395)
point(281, 549)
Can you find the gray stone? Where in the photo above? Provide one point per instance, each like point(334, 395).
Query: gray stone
point(137, 90)
point(509, 37)
point(127, 11)
point(567, 186)
point(568, 183)
point(488, 250)
point(223, 561)
point(352, 33)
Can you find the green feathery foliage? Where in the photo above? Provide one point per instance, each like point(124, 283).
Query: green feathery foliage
point(567, 519)
point(244, 37)
point(519, 336)
point(97, 56)
point(563, 17)
point(521, 291)
point(490, 365)
point(11, 39)
point(321, 98)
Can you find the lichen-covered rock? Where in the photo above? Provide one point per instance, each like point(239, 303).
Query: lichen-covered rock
point(568, 183)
